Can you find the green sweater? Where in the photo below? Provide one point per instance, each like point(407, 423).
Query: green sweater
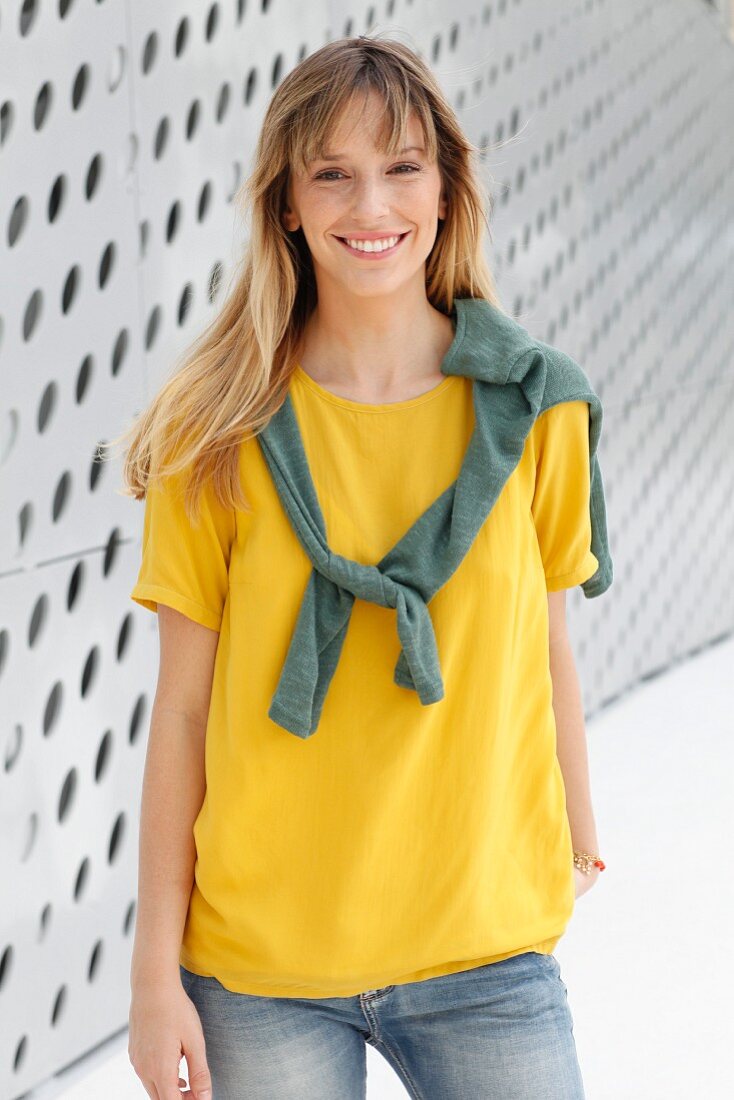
point(515, 378)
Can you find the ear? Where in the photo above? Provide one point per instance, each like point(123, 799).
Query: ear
point(443, 207)
point(290, 220)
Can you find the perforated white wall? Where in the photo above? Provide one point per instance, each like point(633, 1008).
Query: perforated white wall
point(125, 129)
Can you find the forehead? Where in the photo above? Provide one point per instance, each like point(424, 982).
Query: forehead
point(357, 131)
point(326, 155)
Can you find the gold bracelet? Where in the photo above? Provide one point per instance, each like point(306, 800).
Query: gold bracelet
point(585, 861)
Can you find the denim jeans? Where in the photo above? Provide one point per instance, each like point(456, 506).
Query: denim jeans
point(502, 1031)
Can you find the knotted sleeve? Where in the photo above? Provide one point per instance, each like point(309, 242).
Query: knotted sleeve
point(185, 565)
point(561, 505)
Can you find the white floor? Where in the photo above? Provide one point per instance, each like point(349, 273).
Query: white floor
point(647, 958)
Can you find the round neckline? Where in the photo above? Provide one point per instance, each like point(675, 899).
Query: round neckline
point(394, 406)
point(363, 406)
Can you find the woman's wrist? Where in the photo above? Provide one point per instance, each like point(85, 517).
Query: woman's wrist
point(588, 862)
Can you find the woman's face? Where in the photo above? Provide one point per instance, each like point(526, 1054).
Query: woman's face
point(362, 193)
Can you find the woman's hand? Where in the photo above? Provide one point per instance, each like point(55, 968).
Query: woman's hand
point(584, 882)
point(163, 1026)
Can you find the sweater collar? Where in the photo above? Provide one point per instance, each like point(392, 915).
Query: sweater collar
point(486, 342)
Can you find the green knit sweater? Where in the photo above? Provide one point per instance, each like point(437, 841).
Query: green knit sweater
point(515, 378)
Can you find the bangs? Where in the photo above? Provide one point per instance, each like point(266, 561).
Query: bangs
point(311, 132)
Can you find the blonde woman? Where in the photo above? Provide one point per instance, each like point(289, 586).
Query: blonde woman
point(366, 803)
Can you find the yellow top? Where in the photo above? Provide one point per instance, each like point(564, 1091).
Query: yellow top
point(402, 841)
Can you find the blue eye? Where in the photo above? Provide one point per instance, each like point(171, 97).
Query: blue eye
point(333, 171)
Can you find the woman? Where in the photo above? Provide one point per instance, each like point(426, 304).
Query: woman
point(364, 821)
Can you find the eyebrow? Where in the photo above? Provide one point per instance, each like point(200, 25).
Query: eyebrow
point(408, 149)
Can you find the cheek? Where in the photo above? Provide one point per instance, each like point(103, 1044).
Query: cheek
point(426, 204)
point(320, 206)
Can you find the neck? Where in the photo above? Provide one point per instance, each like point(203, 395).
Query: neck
point(378, 351)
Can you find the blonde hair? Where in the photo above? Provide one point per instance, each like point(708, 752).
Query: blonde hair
point(236, 375)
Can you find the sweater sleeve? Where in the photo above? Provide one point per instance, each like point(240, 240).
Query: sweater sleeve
point(185, 566)
point(561, 505)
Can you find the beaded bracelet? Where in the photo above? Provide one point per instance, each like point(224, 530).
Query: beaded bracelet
point(585, 861)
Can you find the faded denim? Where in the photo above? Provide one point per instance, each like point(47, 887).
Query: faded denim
point(502, 1031)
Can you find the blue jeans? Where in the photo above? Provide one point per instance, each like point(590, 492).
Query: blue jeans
point(502, 1031)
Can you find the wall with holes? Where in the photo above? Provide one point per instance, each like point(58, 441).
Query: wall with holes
point(125, 130)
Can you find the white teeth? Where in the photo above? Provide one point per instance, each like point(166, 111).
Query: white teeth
point(372, 246)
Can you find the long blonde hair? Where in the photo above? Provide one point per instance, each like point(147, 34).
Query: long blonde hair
point(236, 374)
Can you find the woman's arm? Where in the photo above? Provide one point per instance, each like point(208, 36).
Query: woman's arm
point(571, 745)
point(173, 790)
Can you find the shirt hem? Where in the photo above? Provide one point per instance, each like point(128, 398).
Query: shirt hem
point(270, 989)
point(150, 595)
point(582, 573)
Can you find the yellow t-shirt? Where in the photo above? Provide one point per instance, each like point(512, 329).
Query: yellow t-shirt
point(400, 841)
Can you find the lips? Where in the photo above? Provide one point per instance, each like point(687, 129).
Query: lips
point(373, 255)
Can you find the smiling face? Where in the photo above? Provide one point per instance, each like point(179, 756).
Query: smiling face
point(359, 193)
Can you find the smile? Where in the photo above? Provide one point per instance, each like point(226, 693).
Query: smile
point(373, 255)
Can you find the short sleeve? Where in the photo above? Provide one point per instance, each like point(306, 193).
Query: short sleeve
point(185, 565)
point(561, 505)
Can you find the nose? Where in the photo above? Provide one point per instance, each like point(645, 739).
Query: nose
point(369, 199)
